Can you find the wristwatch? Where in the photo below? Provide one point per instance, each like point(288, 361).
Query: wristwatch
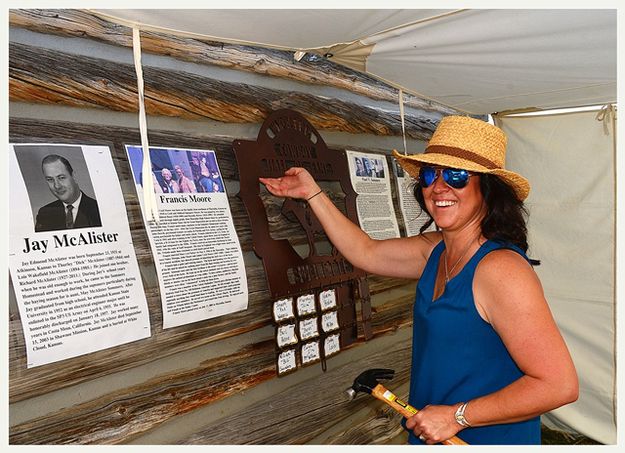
point(460, 418)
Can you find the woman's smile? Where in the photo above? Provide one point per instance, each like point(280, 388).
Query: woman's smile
point(444, 203)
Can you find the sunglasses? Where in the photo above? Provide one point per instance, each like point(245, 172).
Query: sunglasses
point(453, 177)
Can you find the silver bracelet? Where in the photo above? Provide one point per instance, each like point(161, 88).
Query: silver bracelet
point(460, 418)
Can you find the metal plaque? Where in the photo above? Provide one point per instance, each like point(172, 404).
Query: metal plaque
point(286, 139)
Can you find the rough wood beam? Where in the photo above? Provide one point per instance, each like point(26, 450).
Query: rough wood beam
point(393, 315)
point(276, 63)
point(379, 284)
point(28, 382)
point(44, 76)
point(120, 416)
point(380, 428)
point(305, 410)
point(24, 129)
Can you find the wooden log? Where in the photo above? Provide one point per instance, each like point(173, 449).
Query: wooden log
point(276, 63)
point(378, 284)
point(45, 76)
point(307, 409)
point(393, 315)
point(122, 415)
point(28, 382)
point(25, 129)
point(382, 427)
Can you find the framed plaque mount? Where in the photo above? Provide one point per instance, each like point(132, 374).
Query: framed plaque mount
point(286, 139)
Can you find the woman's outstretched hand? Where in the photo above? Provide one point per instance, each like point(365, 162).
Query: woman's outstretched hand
point(296, 183)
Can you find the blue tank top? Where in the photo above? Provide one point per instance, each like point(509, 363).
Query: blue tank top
point(457, 356)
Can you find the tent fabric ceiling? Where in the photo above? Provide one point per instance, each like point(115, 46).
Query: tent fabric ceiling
point(479, 61)
point(284, 28)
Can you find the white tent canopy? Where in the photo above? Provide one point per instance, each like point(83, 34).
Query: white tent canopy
point(572, 231)
point(478, 61)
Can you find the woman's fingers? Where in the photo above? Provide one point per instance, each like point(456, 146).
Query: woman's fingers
point(276, 188)
point(296, 183)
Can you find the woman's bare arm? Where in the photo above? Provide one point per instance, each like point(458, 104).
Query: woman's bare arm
point(402, 257)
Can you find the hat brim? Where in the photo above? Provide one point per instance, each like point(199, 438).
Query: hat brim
point(412, 163)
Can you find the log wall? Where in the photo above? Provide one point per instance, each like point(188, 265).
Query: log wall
point(198, 383)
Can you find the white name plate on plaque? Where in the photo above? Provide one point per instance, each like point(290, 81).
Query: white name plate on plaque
point(310, 352)
point(286, 361)
point(331, 345)
point(330, 321)
point(286, 335)
point(283, 310)
point(308, 328)
point(327, 299)
point(306, 305)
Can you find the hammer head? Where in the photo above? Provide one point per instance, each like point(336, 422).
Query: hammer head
point(367, 380)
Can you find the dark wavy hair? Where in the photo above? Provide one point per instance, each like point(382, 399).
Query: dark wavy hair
point(506, 215)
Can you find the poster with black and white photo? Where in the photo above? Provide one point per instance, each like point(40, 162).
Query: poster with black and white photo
point(71, 257)
point(370, 179)
point(411, 212)
point(196, 249)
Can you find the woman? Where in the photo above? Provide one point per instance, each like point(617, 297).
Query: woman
point(184, 183)
point(488, 358)
point(169, 185)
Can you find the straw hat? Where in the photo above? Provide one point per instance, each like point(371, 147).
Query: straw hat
point(470, 144)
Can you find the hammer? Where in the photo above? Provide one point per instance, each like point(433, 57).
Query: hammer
point(367, 381)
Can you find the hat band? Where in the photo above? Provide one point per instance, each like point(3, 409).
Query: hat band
point(462, 154)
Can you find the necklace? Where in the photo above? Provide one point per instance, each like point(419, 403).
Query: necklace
point(448, 273)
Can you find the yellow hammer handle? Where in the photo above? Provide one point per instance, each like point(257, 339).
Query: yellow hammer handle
point(381, 393)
